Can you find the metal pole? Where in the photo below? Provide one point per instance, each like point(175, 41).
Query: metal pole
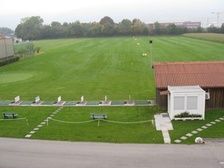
point(150, 53)
point(98, 123)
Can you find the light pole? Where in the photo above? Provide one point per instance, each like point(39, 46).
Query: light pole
point(150, 53)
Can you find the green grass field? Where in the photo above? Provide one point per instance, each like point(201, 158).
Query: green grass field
point(207, 36)
point(95, 67)
point(99, 66)
point(106, 132)
point(19, 128)
point(183, 127)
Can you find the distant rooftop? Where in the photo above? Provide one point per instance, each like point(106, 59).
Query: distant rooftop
point(205, 74)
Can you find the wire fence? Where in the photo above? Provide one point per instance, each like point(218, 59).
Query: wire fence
point(104, 120)
point(16, 119)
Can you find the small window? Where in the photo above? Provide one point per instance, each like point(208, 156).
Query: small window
point(192, 102)
point(179, 102)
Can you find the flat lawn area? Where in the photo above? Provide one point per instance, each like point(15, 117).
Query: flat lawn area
point(106, 132)
point(215, 131)
point(207, 36)
point(19, 128)
point(95, 67)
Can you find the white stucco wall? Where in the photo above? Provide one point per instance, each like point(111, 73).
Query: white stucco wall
point(186, 99)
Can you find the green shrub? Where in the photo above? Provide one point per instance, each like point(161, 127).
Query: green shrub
point(187, 115)
point(24, 49)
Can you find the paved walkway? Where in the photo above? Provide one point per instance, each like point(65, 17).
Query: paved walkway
point(25, 153)
point(163, 123)
point(88, 103)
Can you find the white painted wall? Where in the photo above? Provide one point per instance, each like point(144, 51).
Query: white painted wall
point(190, 100)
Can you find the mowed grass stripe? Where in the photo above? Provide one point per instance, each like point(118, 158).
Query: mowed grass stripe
point(95, 67)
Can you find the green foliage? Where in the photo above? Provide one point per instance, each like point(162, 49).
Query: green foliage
point(124, 27)
point(6, 31)
point(183, 127)
point(95, 67)
point(25, 49)
point(32, 28)
point(187, 115)
point(206, 36)
point(106, 132)
point(19, 128)
point(138, 27)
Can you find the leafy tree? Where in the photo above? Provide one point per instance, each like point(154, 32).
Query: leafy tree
point(222, 28)
point(157, 28)
point(95, 29)
point(30, 28)
point(75, 29)
point(124, 27)
point(56, 29)
point(6, 31)
point(107, 26)
point(172, 29)
point(138, 27)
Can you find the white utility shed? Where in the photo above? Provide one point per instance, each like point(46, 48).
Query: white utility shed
point(189, 99)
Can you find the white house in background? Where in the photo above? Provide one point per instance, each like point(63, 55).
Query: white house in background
point(182, 99)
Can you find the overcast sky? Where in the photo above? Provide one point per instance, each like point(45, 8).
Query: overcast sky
point(92, 10)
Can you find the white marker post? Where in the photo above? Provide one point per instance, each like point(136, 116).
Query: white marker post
point(82, 99)
point(59, 99)
point(17, 99)
point(37, 99)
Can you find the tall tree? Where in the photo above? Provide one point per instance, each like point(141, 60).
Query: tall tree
point(124, 27)
point(30, 28)
point(75, 29)
point(107, 26)
point(138, 27)
point(56, 29)
point(6, 31)
point(222, 28)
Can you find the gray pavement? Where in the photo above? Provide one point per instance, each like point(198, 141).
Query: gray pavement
point(20, 153)
point(117, 103)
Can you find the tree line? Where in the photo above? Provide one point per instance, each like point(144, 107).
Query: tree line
point(32, 28)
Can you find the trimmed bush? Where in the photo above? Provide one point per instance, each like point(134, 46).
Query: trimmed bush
point(187, 115)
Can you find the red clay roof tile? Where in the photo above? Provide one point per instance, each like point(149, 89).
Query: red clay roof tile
point(205, 74)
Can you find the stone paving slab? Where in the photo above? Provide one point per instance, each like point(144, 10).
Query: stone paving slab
point(163, 123)
point(177, 141)
point(183, 138)
point(189, 134)
point(28, 136)
point(166, 137)
point(194, 132)
point(199, 129)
